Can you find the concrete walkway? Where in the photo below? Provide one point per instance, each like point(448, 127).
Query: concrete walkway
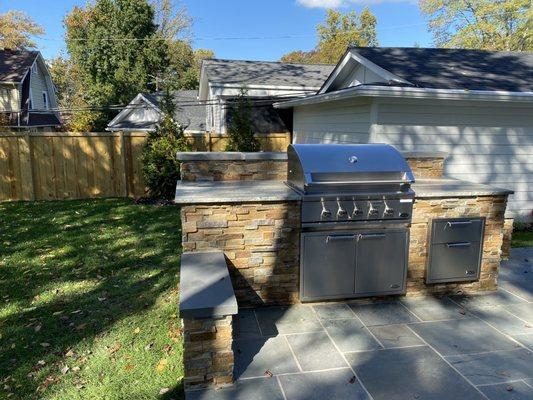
point(457, 347)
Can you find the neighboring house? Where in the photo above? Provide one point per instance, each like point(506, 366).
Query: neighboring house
point(210, 108)
point(143, 113)
point(265, 82)
point(475, 105)
point(27, 94)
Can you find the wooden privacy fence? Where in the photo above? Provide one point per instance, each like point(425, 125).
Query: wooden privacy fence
point(66, 165)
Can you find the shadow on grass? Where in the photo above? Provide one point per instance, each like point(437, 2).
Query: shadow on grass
point(70, 271)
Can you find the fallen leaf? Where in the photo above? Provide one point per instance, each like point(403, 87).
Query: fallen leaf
point(38, 328)
point(167, 348)
point(352, 380)
point(462, 312)
point(129, 367)
point(81, 327)
point(41, 362)
point(137, 330)
point(65, 369)
point(161, 365)
point(45, 344)
point(75, 369)
point(148, 346)
point(163, 391)
point(69, 353)
point(113, 349)
point(509, 388)
point(269, 373)
point(504, 373)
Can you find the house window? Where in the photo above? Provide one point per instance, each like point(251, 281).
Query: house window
point(45, 100)
point(30, 101)
point(34, 69)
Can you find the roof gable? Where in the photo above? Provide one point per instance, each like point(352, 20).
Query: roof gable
point(455, 68)
point(15, 64)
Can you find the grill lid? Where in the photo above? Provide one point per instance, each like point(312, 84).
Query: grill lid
point(338, 167)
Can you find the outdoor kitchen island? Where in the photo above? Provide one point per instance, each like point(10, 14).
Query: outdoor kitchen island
point(239, 204)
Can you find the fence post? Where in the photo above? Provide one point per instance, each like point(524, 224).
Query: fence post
point(124, 163)
point(26, 167)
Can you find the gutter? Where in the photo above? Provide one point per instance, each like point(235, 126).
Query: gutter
point(408, 92)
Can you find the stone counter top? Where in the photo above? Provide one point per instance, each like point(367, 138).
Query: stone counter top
point(425, 188)
point(201, 192)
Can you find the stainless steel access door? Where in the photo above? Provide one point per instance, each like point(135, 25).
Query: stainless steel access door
point(328, 260)
point(381, 263)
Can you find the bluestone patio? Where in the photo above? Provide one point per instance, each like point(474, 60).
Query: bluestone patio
point(456, 347)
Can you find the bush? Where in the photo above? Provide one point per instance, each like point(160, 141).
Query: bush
point(161, 168)
point(240, 131)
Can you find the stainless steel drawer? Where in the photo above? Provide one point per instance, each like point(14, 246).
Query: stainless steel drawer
point(453, 262)
point(457, 230)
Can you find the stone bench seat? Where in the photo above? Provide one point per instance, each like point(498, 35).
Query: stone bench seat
point(206, 289)
point(207, 305)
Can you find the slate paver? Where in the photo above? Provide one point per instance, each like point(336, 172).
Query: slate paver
point(395, 336)
point(523, 311)
point(257, 389)
point(383, 313)
point(333, 311)
point(508, 391)
point(462, 336)
point(433, 309)
point(253, 357)
point(489, 299)
point(350, 335)
point(503, 320)
point(245, 325)
point(410, 373)
point(336, 384)
point(521, 288)
point(526, 340)
point(495, 367)
point(315, 351)
point(285, 320)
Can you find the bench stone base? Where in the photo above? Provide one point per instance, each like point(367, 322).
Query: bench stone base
point(207, 352)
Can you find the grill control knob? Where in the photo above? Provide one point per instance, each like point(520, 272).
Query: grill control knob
point(356, 211)
point(342, 213)
point(388, 210)
point(372, 210)
point(325, 213)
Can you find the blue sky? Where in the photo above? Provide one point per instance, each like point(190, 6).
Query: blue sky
point(275, 26)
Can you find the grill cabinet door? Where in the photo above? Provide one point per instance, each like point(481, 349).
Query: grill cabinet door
point(381, 262)
point(454, 262)
point(328, 265)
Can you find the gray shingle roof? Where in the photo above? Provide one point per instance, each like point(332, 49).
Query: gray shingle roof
point(266, 73)
point(14, 64)
point(456, 68)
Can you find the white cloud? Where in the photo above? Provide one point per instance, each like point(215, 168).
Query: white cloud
point(345, 3)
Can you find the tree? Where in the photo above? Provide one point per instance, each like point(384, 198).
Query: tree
point(161, 168)
point(480, 24)
point(16, 30)
point(190, 79)
point(338, 32)
point(117, 49)
point(240, 131)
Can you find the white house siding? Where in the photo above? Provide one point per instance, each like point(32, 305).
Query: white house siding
point(39, 85)
point(488, 142)
point(336, 122)
point(9, 97)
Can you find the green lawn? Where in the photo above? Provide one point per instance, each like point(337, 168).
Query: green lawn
point(88, 300)
point(522, 238)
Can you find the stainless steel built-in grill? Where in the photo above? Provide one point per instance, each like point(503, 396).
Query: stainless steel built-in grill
point(357, 203)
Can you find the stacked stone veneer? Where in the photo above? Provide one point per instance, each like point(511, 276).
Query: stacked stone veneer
point(233, 170)
point(426, 167)
point(260, 242)
point(207, 352)
point(241, 170)
point(491, 207)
